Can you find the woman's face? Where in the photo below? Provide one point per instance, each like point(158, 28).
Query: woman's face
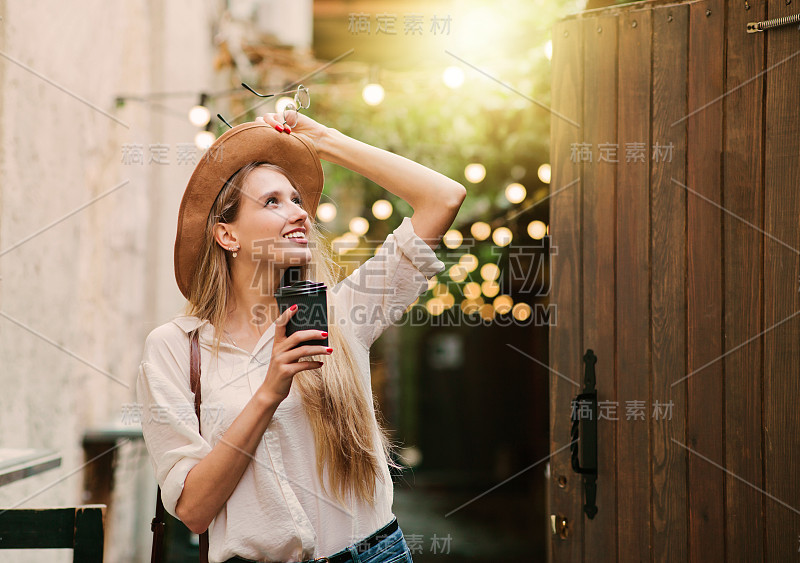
point(269, 210)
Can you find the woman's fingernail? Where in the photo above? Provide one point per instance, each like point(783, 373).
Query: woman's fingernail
point(288, 130)
point(329, 350)
point(293, 307)
point(279, 128)
point(324, 333)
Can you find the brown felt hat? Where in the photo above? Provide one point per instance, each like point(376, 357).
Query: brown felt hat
point(253, 141)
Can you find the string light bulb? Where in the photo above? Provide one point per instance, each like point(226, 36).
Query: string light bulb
point(490, 271)
point(537, 230)
point(452, 238)
point(544, 173)
point(373, 94)
point(453, 77)
point(382, 209)
point(502, 236)
point(469, 262)
point(199, 116)
point(480, 230)
point(326, 212)
point(515, 193)
point(475, 172)
point(359, 225)
point(204, 139)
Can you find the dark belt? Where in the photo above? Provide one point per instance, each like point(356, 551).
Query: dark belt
point(344, 556)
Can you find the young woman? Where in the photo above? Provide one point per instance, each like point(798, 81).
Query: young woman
point(290, 463)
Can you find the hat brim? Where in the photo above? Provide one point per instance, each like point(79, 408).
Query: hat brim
point(249, 142)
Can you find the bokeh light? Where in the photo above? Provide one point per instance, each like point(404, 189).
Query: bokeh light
point(199, 116)
point(537, 230)
point(435, 306)
point(382, 209)
point(480, 230)
point(486, 312)
point(457, 273)
point(453, 77)
point(502, 304)
point(521, 311)
point(490, 288)
point(515, 192)
point(204, 139)
point(326, 212)
point(469, 262)
point(359, 225)
point(452, 238)
point(373, 94)
point(502, 236)
point(472, 290)
point(344, 243)
point(472, 305)
point(544, 173)
point(447, 300)
point(475, 172)
point(490, 271)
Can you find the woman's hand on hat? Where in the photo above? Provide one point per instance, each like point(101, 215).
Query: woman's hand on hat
point(312, 129)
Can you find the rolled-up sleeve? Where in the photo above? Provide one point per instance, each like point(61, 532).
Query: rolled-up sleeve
point(169, 423)
point(379, 291)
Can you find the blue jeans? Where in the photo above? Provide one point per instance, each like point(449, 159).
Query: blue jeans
point(392, 549)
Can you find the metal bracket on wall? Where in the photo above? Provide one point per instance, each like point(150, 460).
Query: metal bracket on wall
point(755, 27)
point(584, 435)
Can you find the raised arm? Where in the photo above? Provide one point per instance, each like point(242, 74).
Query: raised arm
point(434, 197)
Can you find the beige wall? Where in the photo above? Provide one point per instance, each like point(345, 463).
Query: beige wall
point(89, 289)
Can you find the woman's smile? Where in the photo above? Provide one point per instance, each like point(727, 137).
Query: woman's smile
point(296, 235)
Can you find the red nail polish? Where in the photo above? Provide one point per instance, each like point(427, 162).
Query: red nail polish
point(329, 350)
point(324, 333)
point(293, 307)
point(288, 130)
point(279, 128)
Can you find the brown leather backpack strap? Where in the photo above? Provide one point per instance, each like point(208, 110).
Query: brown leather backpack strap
point(158, 525)
point(194, 373)
point(194, 379)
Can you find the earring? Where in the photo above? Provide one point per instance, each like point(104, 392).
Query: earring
point(234, 251)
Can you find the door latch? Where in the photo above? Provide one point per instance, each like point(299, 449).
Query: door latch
point(584, 435)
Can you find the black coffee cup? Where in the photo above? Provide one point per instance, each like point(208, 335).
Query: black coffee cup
point(312, 309)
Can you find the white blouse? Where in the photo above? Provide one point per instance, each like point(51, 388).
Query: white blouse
point(278, 511)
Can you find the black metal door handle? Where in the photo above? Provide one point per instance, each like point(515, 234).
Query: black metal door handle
point(584, 435)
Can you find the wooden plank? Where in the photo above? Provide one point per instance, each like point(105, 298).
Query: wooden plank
point(633, 285)
point(742, 178)
point(669, 534)
point(781, 298)
point(599, 178)
point(704, 292)
point(565, 229)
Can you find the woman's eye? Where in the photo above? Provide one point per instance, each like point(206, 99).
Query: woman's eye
point(297, 199)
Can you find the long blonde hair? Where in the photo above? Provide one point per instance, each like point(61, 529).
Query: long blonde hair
point(333, 396)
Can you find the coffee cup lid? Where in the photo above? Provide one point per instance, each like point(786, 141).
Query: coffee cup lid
point(300, 287)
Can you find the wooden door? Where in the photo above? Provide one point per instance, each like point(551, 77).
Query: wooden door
point(675, 213)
